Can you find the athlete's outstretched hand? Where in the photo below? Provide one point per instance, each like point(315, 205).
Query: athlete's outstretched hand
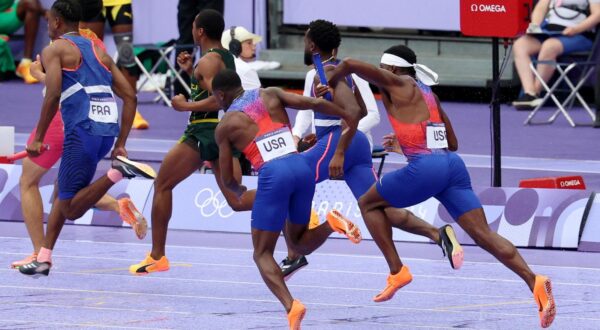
point(336, 166)
point(34, 149)
point(119, 151)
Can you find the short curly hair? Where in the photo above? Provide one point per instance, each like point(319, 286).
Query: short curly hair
point(226, 80)
point(212, 22)
point(68, 10)
point(324, 34)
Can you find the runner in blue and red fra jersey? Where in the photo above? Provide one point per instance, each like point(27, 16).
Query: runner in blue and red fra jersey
point(81, 77)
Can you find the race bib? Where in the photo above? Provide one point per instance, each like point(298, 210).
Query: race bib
point(436, 136)
point(275, 144)
point(103, 110)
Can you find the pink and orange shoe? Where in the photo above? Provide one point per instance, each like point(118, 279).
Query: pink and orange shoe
point(394, 283)
point(542, 293)
point(451, 247)
point(130, 214)
point(296, 315)
point(340, 224)
point(19, 263)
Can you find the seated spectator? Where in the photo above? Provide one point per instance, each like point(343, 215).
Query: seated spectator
point(15, 14)
point(245, 48)
point(557, 27)
point(241, 51)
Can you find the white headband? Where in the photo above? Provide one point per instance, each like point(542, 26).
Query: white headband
point(424, 74)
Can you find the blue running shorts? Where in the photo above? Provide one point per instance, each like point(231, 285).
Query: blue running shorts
point(81, 154)
point(358, 164)
point(443, 176)
point(285, 188)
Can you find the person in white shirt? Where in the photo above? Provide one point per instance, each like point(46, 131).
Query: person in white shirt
point(248, 75)
point(557, 27)
point(242, 43)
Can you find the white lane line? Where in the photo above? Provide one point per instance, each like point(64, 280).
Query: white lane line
point(208, 248)
point(271, 301)
point(204, 315)
point(320, 287)
point(120, 309)
point(71, 324)
point(444, 277)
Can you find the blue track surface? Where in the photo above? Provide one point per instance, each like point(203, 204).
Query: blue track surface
point(213, 284)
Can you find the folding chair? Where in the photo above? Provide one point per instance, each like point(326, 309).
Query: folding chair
point(165, 52)
point(379, 152)
point(586, 62)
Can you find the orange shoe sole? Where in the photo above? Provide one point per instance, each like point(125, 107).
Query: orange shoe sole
point(340, 224)
point(547, 312)
point(130, 214)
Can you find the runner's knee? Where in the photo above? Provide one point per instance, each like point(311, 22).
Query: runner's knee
point(397, 215)
point(124, 43)
point(365, 203)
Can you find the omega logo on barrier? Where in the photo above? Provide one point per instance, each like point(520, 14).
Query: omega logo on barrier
point(210, 203)
point(570, 183)
point(488, 8)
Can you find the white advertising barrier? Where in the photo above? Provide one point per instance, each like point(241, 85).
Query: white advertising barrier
point(527, 217)
point(7, 140)
point(590, 236)
point(336, 195)
point(10, 199)
point(198, 204)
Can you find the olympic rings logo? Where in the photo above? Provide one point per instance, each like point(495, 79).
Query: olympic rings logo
point(211, 203)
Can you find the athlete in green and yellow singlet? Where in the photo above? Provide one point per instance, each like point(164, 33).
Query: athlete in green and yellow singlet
point(198, 142)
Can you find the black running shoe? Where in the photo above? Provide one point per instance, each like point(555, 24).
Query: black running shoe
point(290, 266)
point(131, 169)
point(35, 269)
point(451, 247)
point(527, 102)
